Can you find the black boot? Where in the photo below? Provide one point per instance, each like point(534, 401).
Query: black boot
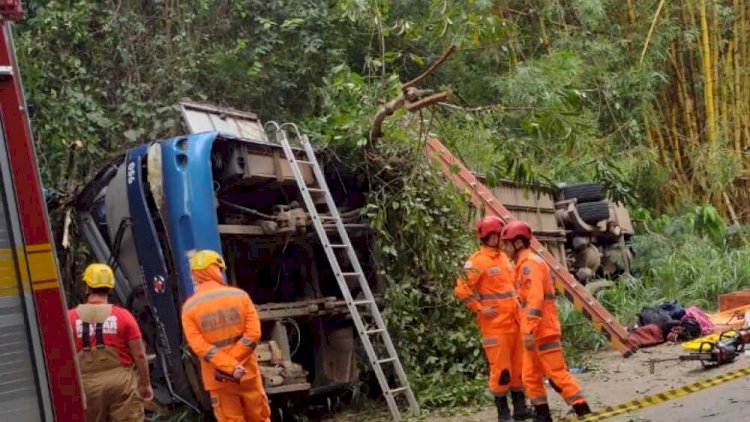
point(582, 409)
point(520, 410)
point(503, 412)
point(541, 413)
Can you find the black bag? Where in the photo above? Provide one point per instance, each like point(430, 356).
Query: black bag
point(658, 317)
point(673, 309)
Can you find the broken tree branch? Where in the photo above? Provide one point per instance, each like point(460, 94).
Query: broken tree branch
point(413, 98)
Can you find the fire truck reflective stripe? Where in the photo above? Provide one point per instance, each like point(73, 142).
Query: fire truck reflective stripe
point(226, 341)
point(46, 286)
point(8, 282)
point(39, 247)
point(41, 263)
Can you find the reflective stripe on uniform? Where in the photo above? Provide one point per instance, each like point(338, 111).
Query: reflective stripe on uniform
point(574, 397)
point(211, 295)
point(489, 341)
point(550, 296)
point(538, 400)
point(517, 390)
point(498, 295)
point(211, 353)
point(226, 341)
point(549, 346)
point(534, 312)
point(250, 344)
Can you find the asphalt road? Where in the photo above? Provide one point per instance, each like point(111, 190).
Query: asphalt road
point(725, 402)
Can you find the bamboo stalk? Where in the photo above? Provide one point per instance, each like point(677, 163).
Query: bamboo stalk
point(725, 84)
point(715, 47)
point(651, 30)
point(738, 115)
point(647, 128)
point(744, 106)
point(708, 89)
point(676, 141)
point(543, 29)
point(631, 12)
point(689, 20)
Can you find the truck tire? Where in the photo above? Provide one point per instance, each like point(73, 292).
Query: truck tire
point(584, 192)
point(593, 212)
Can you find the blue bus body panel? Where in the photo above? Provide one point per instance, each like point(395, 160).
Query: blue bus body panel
point(150, 254)
point(188, 191)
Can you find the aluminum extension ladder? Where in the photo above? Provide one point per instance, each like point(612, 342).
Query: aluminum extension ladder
point(375, 328)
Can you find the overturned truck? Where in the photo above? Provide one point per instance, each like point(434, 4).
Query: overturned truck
point(228, 188)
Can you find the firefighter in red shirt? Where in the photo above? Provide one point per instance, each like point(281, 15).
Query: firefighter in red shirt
point(487, 289)
point(540, 326)
point(108, 342)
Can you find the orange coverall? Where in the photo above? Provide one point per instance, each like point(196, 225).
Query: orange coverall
point(489, 282)
point(536, 295)
point(223, 328)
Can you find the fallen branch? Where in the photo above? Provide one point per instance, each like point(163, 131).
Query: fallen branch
point(412, 98)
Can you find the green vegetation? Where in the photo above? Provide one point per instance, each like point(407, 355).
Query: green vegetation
point(543, 91)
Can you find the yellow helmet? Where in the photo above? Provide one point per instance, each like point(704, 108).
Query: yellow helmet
point(99, 275)
point(205, 258)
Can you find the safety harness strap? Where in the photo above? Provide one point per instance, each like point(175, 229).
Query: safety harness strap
point(99, 329)
point(86, 336)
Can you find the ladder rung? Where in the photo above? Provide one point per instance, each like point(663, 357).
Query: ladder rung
point(398, 390)
point(375, 331)
point(316, 190)
point(351, 274)
point(363, 302)
point(339, 246)
point(386, 360)
point(309, 163)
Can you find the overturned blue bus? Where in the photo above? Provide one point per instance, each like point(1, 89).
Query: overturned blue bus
point(225, 186)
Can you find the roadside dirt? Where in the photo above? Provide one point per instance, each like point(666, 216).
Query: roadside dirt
point(611, 380)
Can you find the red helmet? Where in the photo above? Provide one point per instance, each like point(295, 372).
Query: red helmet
point(489, 225)
point(516, 229)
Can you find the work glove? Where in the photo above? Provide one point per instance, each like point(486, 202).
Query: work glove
point(239, 372)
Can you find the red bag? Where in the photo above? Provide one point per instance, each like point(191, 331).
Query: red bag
point(647, 335)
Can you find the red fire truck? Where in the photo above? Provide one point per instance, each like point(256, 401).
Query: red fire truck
point(39, 378)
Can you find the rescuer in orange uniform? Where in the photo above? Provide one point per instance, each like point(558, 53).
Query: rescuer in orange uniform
point(110, 351)
point(223, 328)
point(540, 326)
point(487, 289)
